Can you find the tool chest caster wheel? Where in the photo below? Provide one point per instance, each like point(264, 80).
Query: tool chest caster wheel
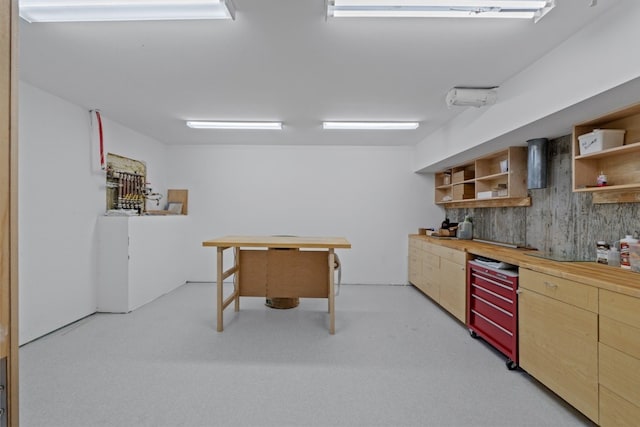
point(473, 333)
point(511, 365)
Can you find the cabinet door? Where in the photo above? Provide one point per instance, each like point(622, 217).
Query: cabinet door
point(415, 265)
point(558, 346)
point(430, 283)
point(453, 296)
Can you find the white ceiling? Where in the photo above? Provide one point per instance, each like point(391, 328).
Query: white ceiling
point(282, 60)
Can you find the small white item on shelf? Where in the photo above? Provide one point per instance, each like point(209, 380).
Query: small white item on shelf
point(486, 194)
point(504, 166)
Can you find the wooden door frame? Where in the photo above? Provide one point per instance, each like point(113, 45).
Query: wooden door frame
point(9, 200)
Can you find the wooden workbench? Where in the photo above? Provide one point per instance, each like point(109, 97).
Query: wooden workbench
point(591, 273)
point(290, 267)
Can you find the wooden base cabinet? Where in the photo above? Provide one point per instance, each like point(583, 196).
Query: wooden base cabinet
point(440, 273)
point(558, 337)
point(619, 359)
point(415, 261)
point(140, 258)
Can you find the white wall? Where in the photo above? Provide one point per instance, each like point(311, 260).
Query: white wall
point(366, 194)
point(598, 58)
point(60, 198)
point(369, 195)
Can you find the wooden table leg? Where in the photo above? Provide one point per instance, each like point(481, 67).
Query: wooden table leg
point(219, 283)
point(332, 295)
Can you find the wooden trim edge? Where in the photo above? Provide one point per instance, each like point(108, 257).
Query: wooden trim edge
point(489, 203)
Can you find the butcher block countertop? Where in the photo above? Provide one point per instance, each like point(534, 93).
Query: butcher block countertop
point(590, 273)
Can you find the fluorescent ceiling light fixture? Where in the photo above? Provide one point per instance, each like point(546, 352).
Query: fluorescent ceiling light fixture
point(124, 10)
point(371, 125)
point(234, 125)
point(525, 9)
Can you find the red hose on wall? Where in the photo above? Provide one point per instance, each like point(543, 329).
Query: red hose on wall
point(100, 136)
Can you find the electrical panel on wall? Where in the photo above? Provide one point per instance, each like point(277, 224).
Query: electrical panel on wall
point(126, 185)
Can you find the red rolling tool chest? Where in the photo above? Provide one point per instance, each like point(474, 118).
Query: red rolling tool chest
point(492, 307)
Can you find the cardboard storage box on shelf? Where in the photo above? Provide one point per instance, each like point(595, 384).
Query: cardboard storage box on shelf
point(448, 232)
point(463, 191)
point(426, 231)
point(463, 175)
point(600, 139)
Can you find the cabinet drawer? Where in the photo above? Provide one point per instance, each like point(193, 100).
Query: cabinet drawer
point(429, 247)
point(620, 373)
point(498, 336)
point(504, 302)
point(616, 411)
point(415, 242)
point(564, 290)
point(453, 255)
point(415, 271)
point(620, 336)
point(620, 307)
point(494, 286)
point(503, 319)
point(414, 253)
point(414, 260)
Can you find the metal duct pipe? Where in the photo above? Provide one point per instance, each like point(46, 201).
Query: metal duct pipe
point(537, 163)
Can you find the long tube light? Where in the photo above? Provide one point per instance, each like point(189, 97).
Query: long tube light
point(428, 14)
point(124, 10)
point(524, 9)
point(234, 125)
point(371, 125)
point(510, 4)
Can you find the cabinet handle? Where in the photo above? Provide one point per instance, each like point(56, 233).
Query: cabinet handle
point(551, 285)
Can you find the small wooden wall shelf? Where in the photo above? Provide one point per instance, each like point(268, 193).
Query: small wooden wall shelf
point(620, 164)
point(467, 185)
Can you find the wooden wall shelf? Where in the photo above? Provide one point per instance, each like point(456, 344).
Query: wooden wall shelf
point(498, 202)
point(458, 187)
point(620, 164)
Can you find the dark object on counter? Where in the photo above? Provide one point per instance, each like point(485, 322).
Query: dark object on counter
point(537, 163)
point(447, 224)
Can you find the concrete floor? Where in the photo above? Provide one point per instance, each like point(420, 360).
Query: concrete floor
point(396, 359)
